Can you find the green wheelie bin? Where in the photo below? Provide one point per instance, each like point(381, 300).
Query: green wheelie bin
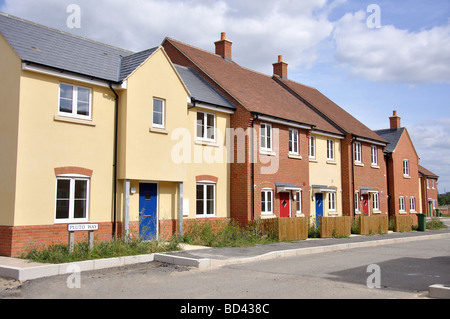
point(422, 219)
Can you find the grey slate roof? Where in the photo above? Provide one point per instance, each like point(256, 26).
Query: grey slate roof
point(200, 89)
point(133, 61)
point(392, 136)
point(53, 48)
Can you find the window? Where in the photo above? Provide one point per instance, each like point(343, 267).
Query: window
point(266, 137)
point(75, 101)
point(330, 150)
point(206, 126)
point(374, 155)
point(312, 147)
point(158, 112)
point(405, 167)
point(332, 201)
point(293, 141)
point(72, 199)
point(412, 203)
point(432, 183)
point(206, 200)
point(401, 204)
point(298, 201)
point(376, 201)
point(356, 201)
point(358, 152)
point(266, 201)
point(428, 183)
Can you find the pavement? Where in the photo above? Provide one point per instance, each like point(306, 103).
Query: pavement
point(206, 257)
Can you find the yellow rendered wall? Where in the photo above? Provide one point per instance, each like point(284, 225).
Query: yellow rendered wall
point(46, 143)
point(10, 66)
point(323, 172)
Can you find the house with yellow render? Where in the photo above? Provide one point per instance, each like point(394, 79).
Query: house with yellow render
point(94, 134)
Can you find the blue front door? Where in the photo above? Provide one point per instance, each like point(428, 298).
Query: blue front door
point(319, 208)
point(148, 211)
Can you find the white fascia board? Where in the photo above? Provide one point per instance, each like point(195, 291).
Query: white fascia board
point(283, 122)
point(360, 139)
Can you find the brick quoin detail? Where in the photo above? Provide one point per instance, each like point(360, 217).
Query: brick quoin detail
point(73, 170)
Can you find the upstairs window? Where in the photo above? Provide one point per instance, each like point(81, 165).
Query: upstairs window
point(293, 141)
point(312, 147)
point(75, 101)
point(206, 126)
point(266, 137)
point(406, 167)
point(158, 113)
point(374, 155)
point(358, 152)
point(330, 150)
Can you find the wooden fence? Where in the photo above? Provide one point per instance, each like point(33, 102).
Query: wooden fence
point(285, 229)
point(373, 225)
point(335, 226)
point(402, 223)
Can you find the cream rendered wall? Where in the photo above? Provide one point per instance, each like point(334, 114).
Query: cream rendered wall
point(10, 67)
point(146, 153)
point(324, 172)
point(46, 143)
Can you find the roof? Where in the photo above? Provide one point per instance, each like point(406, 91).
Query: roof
point(45, 46)
point(425, 172)
point(256, 92)
point(330, 109)
point(392, 136)
point(133, 61)
point(200, 89)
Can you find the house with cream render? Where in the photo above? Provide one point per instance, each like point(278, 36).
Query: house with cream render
point(94, 134)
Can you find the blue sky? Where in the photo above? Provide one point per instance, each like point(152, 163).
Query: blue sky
point(404, 65)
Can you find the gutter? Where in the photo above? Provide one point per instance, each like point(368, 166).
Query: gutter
point(116, 126)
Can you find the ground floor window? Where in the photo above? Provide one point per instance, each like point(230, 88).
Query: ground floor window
point(266, 201)
point(206, 199)
point(72, 199)
point(376, 201)
point(401, 203)
point(298, 201)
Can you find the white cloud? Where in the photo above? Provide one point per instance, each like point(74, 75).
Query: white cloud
point(390, 54)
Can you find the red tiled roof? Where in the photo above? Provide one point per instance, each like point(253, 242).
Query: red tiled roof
point(255, 91)
point(331, 110)
point(424, 171)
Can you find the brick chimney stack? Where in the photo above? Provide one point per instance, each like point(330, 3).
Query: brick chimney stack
point(223, 47)
point(395, 121)
point(280, 68)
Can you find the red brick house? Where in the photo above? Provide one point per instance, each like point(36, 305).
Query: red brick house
point(429, 191)
point(363, 164)
point(269, 181)
point(402, 170)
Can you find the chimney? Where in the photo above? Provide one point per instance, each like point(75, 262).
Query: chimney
point(280, 68)
point(395, 121)
point(223, 47)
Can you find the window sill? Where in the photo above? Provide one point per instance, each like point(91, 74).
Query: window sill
point(267, 215)
point(331, 162)
point(402, 212)
point(376, 212)
point(313, 160)
point(295, 156)
point(406, 176)
point(375, 166)
point(206, 143)
point(267, 152)
point(299, 215)
point(159, 130)
point(359, 164)
point(73, 120)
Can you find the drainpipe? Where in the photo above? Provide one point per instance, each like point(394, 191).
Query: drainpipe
point(255, 117)
point(353, 178)
point(386, 155)
point(116, 125)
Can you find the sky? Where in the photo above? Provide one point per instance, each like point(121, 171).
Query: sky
point(369, 57)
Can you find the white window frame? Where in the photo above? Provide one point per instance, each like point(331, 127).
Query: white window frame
point(374, 155)
point(74, 113)
point(358, 152)
point(330, 150)
point(204, 133)
point(375, 201)
point(412, 204)
point(72, 179)
point(312, 147)
point(401, 204)
point(298, 202)
point(205, 185)
point(432, 184)
point(163, 115)
point(293, 142)
point(405, 167)
point(356, 201)
point(332, 201)
point(428, 183)
point(268, 199)
point(266, 137)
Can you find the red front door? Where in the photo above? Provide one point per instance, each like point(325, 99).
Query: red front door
point(284, 205)
point(365, 205)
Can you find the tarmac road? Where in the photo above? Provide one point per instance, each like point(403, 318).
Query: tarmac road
point(405, 271)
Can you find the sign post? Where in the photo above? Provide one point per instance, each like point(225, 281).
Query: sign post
point(90, 228)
